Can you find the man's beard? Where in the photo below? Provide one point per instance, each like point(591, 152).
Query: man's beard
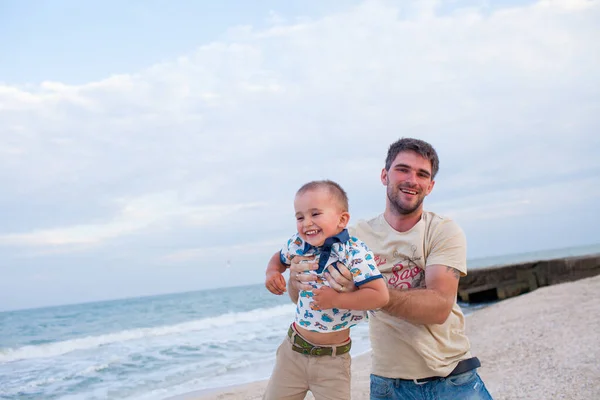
point(396, 205)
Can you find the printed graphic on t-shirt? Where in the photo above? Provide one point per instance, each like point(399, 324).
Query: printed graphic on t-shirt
point(405, 273)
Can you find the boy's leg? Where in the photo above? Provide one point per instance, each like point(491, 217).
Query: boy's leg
point(329, 377)
point(289, 380)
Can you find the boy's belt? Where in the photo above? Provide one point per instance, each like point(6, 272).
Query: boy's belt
point(302, 346)
point(462, 367)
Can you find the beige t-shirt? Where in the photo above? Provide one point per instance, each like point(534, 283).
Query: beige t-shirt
point(402, 349)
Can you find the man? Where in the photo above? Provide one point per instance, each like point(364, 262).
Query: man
point(419, 346)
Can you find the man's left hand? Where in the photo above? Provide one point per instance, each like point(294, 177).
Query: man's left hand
point(340, 280)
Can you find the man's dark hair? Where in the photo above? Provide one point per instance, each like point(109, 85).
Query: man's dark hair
point(420, 147)
point(335, 189)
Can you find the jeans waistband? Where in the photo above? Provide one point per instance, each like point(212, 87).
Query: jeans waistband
point(462, 367)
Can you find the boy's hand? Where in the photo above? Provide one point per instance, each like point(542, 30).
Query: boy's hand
point(275, 283)
point(325, 297)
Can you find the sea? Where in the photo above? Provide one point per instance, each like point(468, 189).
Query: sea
point(160, 347)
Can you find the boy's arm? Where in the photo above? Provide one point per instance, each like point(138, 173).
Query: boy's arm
point(369, 296)
point(275, 264)
point(274, 280)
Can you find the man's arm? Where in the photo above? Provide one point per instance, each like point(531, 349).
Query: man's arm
point(426, 306)
point(293, 290)
point(420, 306)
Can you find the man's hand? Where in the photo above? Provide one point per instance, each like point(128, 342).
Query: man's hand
point(299, 272)
point(325, 297)
point(275, 283)
point(300, 277)
point(340, 280)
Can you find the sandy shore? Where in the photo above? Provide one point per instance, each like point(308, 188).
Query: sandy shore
point(541, 345)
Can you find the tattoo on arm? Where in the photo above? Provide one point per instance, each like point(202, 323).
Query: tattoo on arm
point(454, 271)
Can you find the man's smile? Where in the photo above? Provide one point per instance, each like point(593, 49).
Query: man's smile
point(408, 191)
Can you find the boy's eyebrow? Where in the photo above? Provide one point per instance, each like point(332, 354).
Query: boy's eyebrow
point(409, 167)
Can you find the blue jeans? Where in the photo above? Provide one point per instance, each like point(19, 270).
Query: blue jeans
point(465, 386)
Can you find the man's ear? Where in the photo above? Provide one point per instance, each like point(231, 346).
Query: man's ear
point(344, 219)
point(384, 178)
point(431, 185)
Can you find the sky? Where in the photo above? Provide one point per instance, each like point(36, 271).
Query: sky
point(152, 147)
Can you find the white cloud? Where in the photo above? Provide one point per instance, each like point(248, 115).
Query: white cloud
point(224, 252)
point(136, 214)
point(546, 199)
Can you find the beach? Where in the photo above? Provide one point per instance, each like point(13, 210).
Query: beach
point(540, 345)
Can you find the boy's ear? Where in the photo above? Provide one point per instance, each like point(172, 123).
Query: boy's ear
point(344, 219)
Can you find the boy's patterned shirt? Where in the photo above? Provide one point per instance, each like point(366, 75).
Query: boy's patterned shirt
point(352, 254)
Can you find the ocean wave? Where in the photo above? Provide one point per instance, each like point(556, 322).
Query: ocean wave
point(89, 342)
point(58, 378)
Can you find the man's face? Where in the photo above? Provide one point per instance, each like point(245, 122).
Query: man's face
point(318, 216)
point(408, 181)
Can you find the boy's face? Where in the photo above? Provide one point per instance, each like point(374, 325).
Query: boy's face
point(319, 216)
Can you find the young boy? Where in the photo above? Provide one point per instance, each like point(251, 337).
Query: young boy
point(315, 354)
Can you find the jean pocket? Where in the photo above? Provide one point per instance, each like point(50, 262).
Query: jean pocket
point(381, 388)
point(465, 378)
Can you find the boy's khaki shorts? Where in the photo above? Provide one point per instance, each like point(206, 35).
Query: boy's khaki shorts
point(327, 377)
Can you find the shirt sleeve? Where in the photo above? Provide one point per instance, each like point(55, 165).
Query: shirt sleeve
point(361, 262)
point(293, 247)
point(448, 246)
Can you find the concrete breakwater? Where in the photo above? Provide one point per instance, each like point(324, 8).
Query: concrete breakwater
point(500, 282)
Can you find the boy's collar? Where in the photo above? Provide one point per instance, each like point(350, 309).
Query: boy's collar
point(326, 247)
point(341, 237)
